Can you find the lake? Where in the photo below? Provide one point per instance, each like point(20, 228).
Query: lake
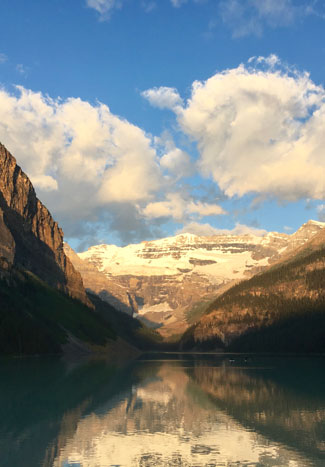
point(163, 410)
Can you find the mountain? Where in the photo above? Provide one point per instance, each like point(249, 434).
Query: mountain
point(165, 282)
point(29, 237)
point(281, 309)
point(44, 306)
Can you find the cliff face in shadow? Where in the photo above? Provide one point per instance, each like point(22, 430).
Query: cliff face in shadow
point(29, 237)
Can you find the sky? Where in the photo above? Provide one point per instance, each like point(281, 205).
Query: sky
point(141, 119)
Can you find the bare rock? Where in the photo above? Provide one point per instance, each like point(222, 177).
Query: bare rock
point(29, 237)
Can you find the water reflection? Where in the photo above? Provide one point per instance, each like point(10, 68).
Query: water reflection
point(185, 412)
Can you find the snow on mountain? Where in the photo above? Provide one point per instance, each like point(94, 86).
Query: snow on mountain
point(161, 279)
point(182, 254)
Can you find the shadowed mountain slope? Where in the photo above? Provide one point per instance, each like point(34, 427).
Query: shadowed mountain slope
point(44, 307)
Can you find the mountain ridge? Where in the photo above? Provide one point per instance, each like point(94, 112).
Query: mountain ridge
point(30, 238)
point(161, 280)
point(280, 309)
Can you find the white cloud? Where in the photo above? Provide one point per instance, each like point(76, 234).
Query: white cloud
point(174, 207)
point(45, 182)
point(177, 162)
point(96, 172)
point(163, 98)
point(3, 58)
point(180, 208)
point(204, 209)
point(259, 131)
point(81, 158)
point(197, 228)
point(271, 61)
point(104, 7)
point(246, 17)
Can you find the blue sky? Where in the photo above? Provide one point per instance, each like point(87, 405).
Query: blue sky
point(138, 119)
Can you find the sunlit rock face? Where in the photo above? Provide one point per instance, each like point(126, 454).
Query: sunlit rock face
point(178, 414)
point(161, 280)
point(29, 237)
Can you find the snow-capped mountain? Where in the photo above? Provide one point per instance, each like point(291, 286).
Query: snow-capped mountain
point(161, 279)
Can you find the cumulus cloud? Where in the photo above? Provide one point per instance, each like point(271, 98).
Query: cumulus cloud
point(259, 129)
point(57, 140)
point(207, 230)
point(180, 208)
point(172, 158)
point(80, 157)
point(177, 162)
point(163, 98)
point(104, 7)
point(245, 17)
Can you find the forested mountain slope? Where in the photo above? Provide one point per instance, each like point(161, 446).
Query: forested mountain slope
point(282, 309)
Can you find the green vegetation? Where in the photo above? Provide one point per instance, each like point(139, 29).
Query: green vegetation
point(282, 309)
point(194, 314)
point(280, 274)
point(300, 329)
point(35, 318)
point(189, 342)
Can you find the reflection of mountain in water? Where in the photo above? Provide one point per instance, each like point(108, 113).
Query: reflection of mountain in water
point(186, 414)
point(163, 413)
point(285, 403)
point(42, 401)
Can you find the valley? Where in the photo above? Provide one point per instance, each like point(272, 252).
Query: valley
point(168, 282)
point(186, 292)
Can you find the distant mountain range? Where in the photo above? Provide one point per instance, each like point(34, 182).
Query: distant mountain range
point(168, 282)
point(240, 293)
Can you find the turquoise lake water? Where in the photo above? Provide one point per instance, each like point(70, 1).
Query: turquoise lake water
point(163, 410)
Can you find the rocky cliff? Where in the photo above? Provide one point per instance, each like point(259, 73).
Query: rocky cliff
point(29, 237)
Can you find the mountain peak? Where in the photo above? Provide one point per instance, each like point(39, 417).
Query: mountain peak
point(312, 222)
point(311, 226)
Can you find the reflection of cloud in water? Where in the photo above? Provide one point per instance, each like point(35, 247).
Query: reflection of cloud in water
point(171, 422)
